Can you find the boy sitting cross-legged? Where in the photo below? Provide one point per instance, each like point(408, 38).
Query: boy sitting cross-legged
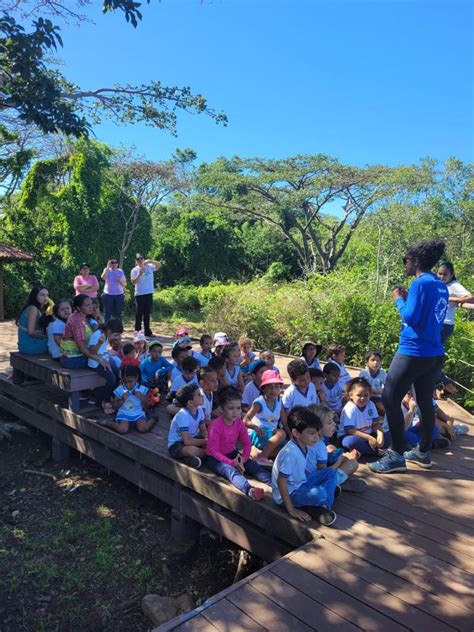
point(292, 486)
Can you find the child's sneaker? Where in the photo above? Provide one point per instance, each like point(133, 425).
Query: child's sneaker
point(461, 429)
point(390, 462)
point(440, 442)
point(256, 493)
point(422, 459)
point(192, 461)
point(327, 517)
point(354, 485)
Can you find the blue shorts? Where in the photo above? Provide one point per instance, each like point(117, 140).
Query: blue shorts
point(260, 442)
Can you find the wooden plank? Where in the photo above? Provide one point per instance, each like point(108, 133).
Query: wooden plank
point(336, 557)
point(266, 612)
point(225, 616)
point(197, 624)
point(355, 599)
point(311, 605)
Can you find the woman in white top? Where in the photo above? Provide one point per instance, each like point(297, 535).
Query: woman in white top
point(457, 296)
point(142, 278)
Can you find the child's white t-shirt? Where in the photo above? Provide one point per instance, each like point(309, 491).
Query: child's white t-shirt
point(232, 379)
point(251, 392)
point(180, 381)
point(291, 464)
point(375, 381)
point(314, 364)
point(317, 455)
point(57, 328)
point(207, 406)
point(344, 375)
point(267, 417)
point(201, 358)
point(333, 396)
point(184, 421)
point(101, 351)
point(356, 418)
point(456, 290)
point(294, 397)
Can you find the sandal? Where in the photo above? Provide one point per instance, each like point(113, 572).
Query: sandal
point(107, 408)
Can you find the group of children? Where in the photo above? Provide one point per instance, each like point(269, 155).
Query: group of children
point(229, 406)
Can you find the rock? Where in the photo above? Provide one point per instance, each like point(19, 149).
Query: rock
point(161, 609)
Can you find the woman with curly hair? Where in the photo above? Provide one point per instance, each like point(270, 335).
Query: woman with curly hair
point(419, 357)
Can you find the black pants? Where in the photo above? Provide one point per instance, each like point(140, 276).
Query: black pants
point(403, 372)
point(113, 304)
point(143, 310)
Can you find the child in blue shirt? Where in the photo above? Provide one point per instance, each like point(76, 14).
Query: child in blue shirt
point(332, 388)
point(292, 486)
point(233, 372)
point(205, 354)
point(188, 375)
point(301, 391)
point(310, 352)
point(375, 376)
point(155, 368)
point(337, 355)
point(131, 401)
point(187, 437)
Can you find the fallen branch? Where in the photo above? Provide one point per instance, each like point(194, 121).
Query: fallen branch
point(46, 474)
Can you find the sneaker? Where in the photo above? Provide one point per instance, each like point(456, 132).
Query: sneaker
point(327, 517)
point(390, 462)
point(337, 491)
point(422, 459)
point(256, 493)
point(192, 461)
point(461, 429)
point(354, 485)
point(440, 442)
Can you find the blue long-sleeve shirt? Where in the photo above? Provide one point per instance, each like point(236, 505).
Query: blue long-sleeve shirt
point(149, 368)
point(423, 314)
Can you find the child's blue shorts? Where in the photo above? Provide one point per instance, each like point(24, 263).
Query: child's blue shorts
point(260, 442)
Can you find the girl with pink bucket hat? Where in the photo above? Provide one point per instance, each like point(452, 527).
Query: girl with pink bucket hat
point(265, 418)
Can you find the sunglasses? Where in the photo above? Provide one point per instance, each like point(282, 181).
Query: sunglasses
point(138, 258)
point(114, 261)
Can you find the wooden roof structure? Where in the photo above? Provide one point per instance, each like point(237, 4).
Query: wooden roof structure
point(7, 255)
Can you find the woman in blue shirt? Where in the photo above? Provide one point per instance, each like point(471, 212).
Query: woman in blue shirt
point(419, 356)
point(32, 337)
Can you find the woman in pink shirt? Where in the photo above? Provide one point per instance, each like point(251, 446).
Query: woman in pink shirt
point(223, 457)
point(86, 283)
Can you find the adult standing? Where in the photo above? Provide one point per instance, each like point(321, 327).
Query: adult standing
point(113, 296)
point(142, 278)
point(419, 356)
point(86, 283)
point(32, 337)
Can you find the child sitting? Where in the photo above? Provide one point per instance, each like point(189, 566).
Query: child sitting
point(269, 358)
point(411, 416)
point(205, 354)
point(359, 426)
point(141, 346)
point(131, 401)
point(220, 341)
point(61, 312)
point(301, 391)
point(233, 374)
point(217, 364)
point(223, 457)
point(178, 354)
point(337, 355)
point(317, 378)
point(320, 456)
point(188, 375)
point(375, 376)
point(187, 436)
point(264, 418)
point(104, 366)
point(252, 388)
point(247, 356)
point(208, 383)
point(182, 336)
point(332, 388)
point(129, 356)
point(114, 338)
point(309, 353)
point(292, 486)
point(155, 368)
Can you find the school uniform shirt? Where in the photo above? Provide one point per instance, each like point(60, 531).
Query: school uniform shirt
point(333, 396)
point(102, 351)
point(232, 378)
point(201, 358)
point(208, 403)
point(344, 376)
point(180, 381)
point(313, 365)
point(317, 455)
point(267, 417)
point(185, 421)
point(251, 392)
point(355, 418)
point(57, 328)
point(294, 397)
point(175, 371)
point(291, 464)
point(376, 381)
point(150, 368)
point(456, 290)
point(131, 410)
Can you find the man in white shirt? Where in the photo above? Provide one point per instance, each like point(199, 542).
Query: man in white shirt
point(142, 278)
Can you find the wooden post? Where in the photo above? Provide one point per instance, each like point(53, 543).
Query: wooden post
point(184, 530)
point(59, 450)
point(2, 304)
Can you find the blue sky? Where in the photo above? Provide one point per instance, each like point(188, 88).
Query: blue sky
point(366, 82)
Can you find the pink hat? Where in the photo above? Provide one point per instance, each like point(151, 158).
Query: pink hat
point(270, 377)
point(182, 331)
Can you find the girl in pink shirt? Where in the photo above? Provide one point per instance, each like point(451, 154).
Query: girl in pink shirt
point(223, 457)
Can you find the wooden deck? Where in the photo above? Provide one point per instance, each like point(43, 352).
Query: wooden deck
point(401, 555)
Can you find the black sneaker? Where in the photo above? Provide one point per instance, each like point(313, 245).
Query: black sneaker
point(327, 517)
point(192, 461)
point(422, 459)
point(440, 442)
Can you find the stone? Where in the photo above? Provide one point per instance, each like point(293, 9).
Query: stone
point(160, 609)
